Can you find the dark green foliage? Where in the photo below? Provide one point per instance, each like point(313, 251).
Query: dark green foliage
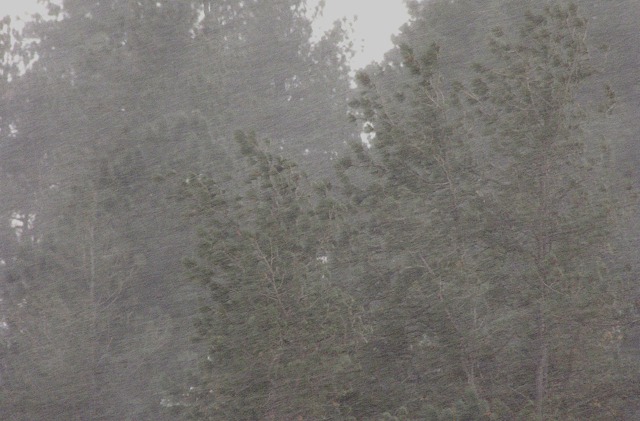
point(487, 223)
point(281, 333)
point(124, 95)
point(476, 260)
point(420, 232)
point(555, 212)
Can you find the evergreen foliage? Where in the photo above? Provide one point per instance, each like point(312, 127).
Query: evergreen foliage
point(475, 258)
point(281, 332)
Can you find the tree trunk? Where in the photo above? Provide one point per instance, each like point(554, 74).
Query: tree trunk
point(542, 368)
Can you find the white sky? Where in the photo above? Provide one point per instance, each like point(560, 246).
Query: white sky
point(20, 10)
point(376, 21)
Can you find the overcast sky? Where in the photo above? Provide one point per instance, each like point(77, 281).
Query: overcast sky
point(20, 8)
point(376, 21)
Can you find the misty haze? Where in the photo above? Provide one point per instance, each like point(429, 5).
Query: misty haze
point(208, 211)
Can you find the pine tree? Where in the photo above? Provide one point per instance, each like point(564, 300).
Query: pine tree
point(549, 215)
point(434, 315)
point(281, 333)
point(485, 226)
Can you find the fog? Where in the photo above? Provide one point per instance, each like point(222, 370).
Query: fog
point(210, 211)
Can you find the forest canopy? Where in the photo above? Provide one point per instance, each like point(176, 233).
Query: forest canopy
point(193, 228)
